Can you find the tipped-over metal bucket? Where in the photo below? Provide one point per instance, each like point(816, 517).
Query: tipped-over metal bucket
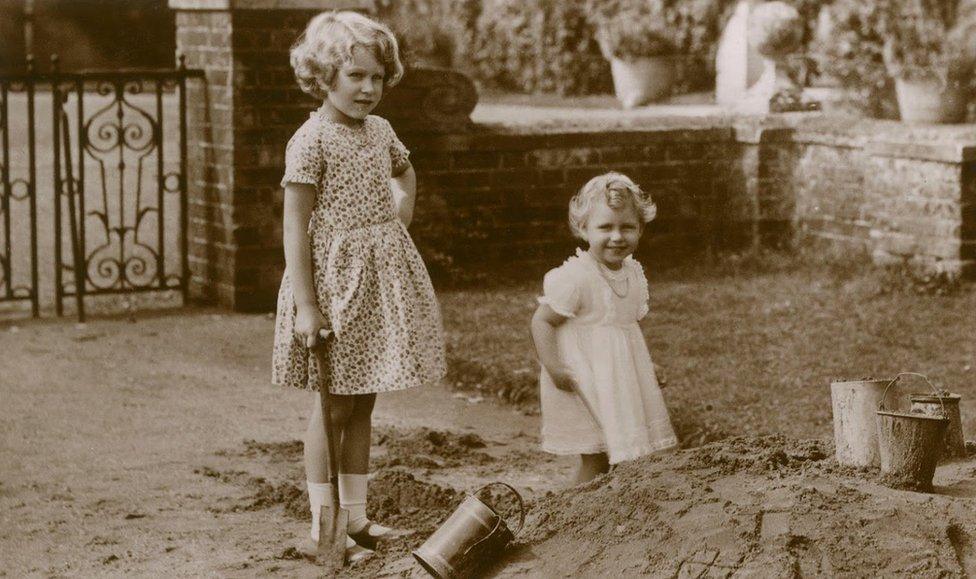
point(468, 538)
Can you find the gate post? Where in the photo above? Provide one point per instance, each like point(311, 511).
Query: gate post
point(238, 123)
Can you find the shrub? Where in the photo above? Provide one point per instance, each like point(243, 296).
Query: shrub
point(433, 32)
point(538, 46)
point(629, 30)
point(928, 37)
point(853, 54)
point(910, 35)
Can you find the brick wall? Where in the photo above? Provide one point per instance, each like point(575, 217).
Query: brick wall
point(268, 109)
point(493, 198)
point(204, 39)
point(899, 201)
point(240, 119)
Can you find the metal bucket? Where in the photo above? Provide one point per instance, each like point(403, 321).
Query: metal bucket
point(469, 537)
point(934, 405)
point(854, 404)
point(910, 444)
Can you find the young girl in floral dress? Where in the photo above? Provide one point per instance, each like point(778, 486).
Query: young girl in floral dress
point(600, 396)
point(353, 276)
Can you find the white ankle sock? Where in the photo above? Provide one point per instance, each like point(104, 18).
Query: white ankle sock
point(319, 495)
point(352, 497)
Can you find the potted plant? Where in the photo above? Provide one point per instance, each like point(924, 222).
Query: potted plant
point(930, 52)
point(847, 51)
point(634, 36)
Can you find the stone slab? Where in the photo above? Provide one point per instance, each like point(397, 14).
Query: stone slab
point(943, 152)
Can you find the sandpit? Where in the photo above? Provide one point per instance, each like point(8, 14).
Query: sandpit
point(761, 506)
point(766, 505)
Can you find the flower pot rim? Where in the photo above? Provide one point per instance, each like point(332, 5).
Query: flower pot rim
point(636, 58)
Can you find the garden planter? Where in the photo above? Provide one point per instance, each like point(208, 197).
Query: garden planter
point(929, 100)
point(641, 81)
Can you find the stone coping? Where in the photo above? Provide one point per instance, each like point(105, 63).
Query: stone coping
point(940, 143)
point(363, 5)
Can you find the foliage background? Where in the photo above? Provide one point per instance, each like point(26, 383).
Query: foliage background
point(549, 46)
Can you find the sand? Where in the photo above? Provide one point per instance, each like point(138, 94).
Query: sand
point(131, 450)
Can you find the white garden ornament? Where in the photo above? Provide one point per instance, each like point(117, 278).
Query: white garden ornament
point(775, 32)
point(737, 65)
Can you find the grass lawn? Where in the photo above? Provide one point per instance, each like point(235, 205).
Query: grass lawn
point(749, 348)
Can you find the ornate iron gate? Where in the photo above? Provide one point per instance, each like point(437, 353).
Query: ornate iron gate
point(116, 166)
point(17, 195)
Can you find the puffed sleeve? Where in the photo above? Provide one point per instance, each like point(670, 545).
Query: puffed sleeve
point(561, 291)
point(303, 156)
point(399, 154)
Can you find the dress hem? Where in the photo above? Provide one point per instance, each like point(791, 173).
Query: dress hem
point(307, 388)
point(633, 453)
point(565, 451)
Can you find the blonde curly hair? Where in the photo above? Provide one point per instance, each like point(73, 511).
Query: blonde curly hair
point(328, 43)
point(617, 190)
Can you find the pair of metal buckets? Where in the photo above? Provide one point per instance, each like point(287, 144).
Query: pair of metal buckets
point(906, 445)
point(468, 538)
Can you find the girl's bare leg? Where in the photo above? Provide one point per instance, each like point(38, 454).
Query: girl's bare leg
point(592, 466)
point(317, 466)
point(316, 444)
point(357, 435)
point(353, 472)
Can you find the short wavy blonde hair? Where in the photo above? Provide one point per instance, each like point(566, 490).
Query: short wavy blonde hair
point(328, 43)
point(617, 190)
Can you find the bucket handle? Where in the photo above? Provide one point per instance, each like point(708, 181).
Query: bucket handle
point(517, 496)
point(498, 522)
point(936, 391)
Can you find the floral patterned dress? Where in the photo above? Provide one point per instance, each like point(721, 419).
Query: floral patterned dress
point(370, 282)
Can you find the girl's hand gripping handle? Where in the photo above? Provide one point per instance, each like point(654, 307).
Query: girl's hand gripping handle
point(310, 326)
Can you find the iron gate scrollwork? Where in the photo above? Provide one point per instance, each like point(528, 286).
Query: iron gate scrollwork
point(118, 175)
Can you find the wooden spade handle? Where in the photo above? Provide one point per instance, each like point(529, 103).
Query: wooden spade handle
point(321, 351)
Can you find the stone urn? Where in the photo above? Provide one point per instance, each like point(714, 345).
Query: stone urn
point(929, 99)
point(642, 80)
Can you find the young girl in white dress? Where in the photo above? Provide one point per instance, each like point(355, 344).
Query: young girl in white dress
point(353, 275)
point(600, 396)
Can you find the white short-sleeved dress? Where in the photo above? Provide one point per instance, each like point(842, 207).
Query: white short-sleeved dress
point(603, 345)
point(370, 281)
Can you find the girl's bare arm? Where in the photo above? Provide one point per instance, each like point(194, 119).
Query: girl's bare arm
point(404, 186)
point(299, 201)
point(544, 324)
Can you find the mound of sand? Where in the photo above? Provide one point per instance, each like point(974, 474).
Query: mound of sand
point(397, 497)
point(426, 448)
point(764, 506)
point(768, 506)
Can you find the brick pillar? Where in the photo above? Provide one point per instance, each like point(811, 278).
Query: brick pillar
point(239, 121)
point(761, 184)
